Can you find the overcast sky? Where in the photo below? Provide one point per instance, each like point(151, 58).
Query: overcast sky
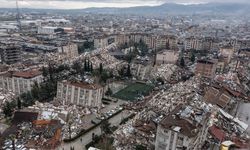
point(76, 4)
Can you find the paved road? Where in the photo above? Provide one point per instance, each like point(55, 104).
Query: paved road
point(80, 144)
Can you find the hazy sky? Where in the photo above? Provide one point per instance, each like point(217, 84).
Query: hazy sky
point(74, 4)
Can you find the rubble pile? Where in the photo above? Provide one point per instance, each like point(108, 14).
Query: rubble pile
point(223, 127)
point(65, 114)
point(108, 61)
point(183, 92)
point(142, 128)
point(45, 134)
point(179, 74)
point(124, 136)
point(164, 71)
point(141, 71)
point(232, 83)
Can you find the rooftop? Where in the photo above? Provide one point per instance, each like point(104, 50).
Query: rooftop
point(27, 74)
point(83, 85)
point(174, 122)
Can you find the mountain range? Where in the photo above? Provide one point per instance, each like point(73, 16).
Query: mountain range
point(164, 9)
point(171, 8)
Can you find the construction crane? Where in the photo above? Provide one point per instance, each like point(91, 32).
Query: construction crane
point(18, 17)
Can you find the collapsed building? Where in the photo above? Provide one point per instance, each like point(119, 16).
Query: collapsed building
point(184, 128)
point(31, 133)
point(142, 128)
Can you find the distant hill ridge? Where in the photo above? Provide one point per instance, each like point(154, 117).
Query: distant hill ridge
point(167, 8)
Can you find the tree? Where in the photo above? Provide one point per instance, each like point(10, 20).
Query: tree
point(100, 68)
point(104, 76)
point(143, 47)
point(88, 65)
point(128, 73)
point(85, 65)
point(121, 72)
point(27, 99)
point(161, 80)
point(51, 72)
point(77, 67)
point(91, 67)
point(192, 58)
point(105, 127)
point(109, 92)
point(140, 147)
point(35, 91)
point(45, 72)
point(19, 103)
point(182, 63)
point(8, 109)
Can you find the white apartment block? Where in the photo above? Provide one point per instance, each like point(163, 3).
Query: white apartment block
point(200, 43)
point(153, 42)
point(70, 50)
point(80, 93)
point(46, 30)
point(20, 82)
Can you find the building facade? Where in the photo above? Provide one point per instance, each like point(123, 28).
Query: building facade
point(20, 81)
point(11, 54)
point(46, 30)
point(180, 131)
point(70, 50)
point(206, 68)
point(167, 57)
point(80, 93)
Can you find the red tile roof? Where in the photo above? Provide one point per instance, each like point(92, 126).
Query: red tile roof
point(217, 133)
point(27, 74)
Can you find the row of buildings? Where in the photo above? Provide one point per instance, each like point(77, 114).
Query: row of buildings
point(152, 41)
point(83, 94)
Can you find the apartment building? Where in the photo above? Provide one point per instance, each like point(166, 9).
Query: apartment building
point(197, 43)
point(179, 131)
point(70, 50)
point(11, 54)
point(206, 68)
point(46, 30)
point(19, 82)
point(153, 42)
point(80, 93)
point(100, 42)
point(167, 57)
point(227, 52)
